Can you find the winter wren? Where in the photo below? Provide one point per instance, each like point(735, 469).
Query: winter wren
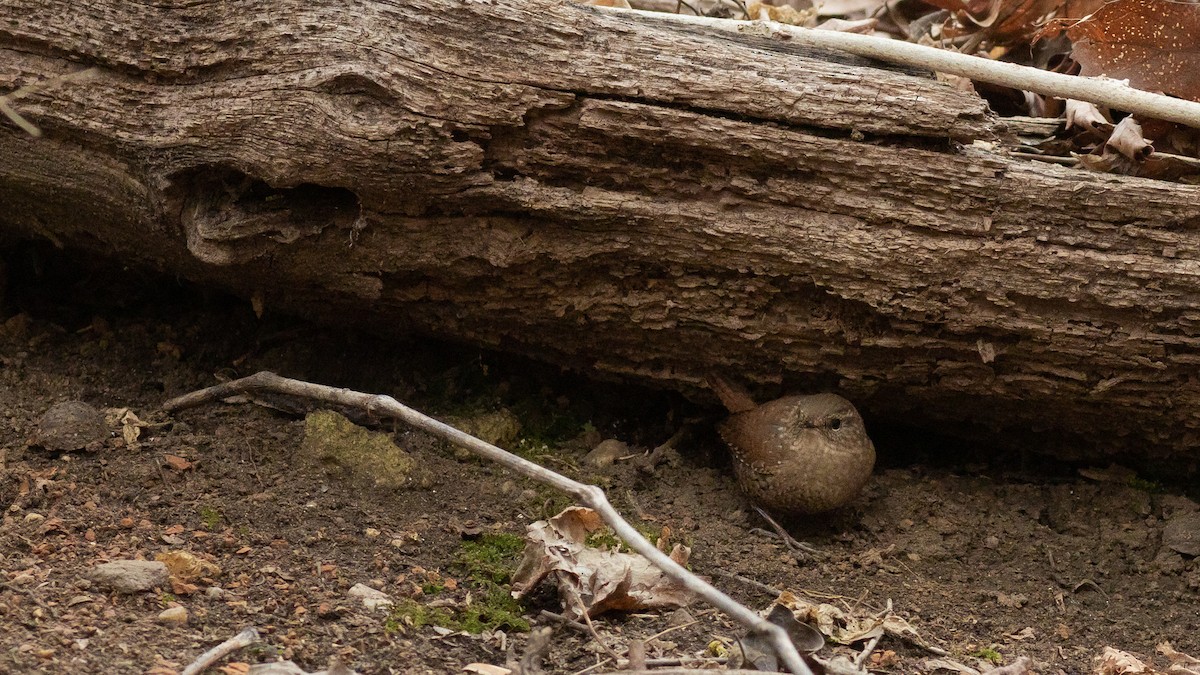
point(796, 454)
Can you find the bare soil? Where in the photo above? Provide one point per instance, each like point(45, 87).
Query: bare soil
point(985, 551)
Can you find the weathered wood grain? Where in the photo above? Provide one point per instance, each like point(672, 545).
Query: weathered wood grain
point(619, 197)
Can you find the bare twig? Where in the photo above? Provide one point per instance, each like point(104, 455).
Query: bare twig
point(769, 590)
point(569, 623)
point(589, 495)
point(202, 662)
point(1102, 91)
point(866, 652)
point(691, 671)
point(587, 620)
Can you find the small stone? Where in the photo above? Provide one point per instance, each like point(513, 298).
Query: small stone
point(606, 453)
point(680, 617)
point(1182, 533)
point(70, 426)
point(175, 615)
point(328, 611)
point(215, 592)
point(34, 517)
point(992, 542)
point(130, 576)
point(371, 599)
point(371, 532)
point(499, 427)
point(331, 439)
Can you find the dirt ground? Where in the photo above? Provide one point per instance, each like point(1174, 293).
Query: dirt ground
point(989, 555)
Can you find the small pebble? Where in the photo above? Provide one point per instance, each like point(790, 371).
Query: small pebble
point(176, 615)
point(370, 597)
point(70, 426)
point(679, 617)
point(606, 453)
point(130, 576)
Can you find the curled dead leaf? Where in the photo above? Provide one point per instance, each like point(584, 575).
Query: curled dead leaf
point(593, 581)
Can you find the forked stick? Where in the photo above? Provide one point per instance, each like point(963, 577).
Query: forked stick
point(589, 495)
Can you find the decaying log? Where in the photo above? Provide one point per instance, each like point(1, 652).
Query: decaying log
point(616, 195)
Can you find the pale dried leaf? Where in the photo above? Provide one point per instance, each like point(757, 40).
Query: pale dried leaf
point(1128, 140)
point(600, 580)
point(1084, 115)
point(849, 7)
point(782, 14)
point(1116, 662)
point(186, 566)
point(486, 669)
point(1176, 657)
point(934, 665)
point(177, 463)
point(860, 26)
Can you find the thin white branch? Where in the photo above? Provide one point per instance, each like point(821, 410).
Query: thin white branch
point(202, 662)
point(1101, 91)
point(589, 495)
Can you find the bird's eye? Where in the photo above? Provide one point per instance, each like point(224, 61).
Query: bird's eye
point(835, 423)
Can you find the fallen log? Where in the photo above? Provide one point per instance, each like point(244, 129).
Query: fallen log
point(617, 195)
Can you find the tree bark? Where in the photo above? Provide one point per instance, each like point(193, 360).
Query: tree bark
point(615, 195)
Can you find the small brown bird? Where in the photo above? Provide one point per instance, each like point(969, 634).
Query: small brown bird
point(797, 454)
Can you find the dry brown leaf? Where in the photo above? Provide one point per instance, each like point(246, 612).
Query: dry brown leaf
point(486, 669)
point(1174, 656)
point(1084, 115)
point(176, 462)
point(1127, 139)
point(187, 567)
point(860, 26)
point(590, 580)
point(1151, 43)
point(1181, 664)
point(1013, 23)
point(782, 14)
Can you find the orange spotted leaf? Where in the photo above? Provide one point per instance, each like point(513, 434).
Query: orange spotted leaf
point(1151, 43)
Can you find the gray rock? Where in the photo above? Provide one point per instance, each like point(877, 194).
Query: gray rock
point(70, 426)
point(1182, 533)
point(173, 615)
point(371, 599)
point(606, 453)
point(130, 576)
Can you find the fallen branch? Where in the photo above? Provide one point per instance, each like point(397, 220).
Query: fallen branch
point(202, 662)
point(1098, 90)
point(588, 495)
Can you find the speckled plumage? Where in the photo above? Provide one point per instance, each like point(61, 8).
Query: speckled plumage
point(800, 454)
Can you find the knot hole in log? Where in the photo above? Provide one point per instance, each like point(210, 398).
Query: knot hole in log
point(231, 217)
